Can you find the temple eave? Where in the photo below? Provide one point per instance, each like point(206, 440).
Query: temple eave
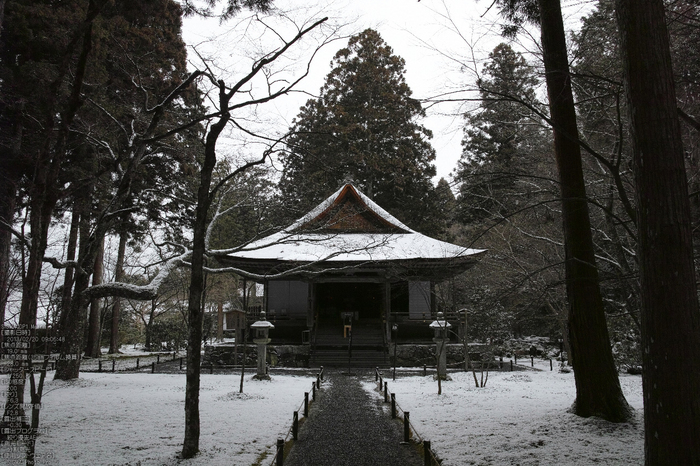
point(380, 270)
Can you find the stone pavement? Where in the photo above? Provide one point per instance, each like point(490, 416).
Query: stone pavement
point(346, 426)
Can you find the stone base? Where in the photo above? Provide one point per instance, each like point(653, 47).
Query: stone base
point(261, 377)
point(277, 355)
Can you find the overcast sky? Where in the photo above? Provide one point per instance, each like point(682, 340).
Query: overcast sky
point(441, 45)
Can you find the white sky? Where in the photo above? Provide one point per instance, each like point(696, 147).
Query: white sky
point(439, 43)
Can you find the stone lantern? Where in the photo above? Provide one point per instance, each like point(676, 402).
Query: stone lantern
point(262, 328)
point(441, 336)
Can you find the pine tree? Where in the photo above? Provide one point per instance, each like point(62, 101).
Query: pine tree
point(363, 127)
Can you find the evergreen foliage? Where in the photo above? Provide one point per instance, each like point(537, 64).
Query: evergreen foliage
point(499, 136)
point(363, 127)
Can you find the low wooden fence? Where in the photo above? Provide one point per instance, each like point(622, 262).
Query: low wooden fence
point(409, 431)
point(278, 459)
point(127, 363)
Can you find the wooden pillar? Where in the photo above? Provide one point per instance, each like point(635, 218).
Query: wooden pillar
point(266, 291)
point(387, 309)
point(220, 321)
point(311, 307)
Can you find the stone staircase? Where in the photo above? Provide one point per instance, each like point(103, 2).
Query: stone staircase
point(368, 350)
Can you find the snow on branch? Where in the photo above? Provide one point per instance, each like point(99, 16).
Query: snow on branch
point(63, 265)
point(19, 235)
point(138, 292)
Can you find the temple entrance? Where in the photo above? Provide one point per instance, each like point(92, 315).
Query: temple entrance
point(334, 301)
point(349, 316)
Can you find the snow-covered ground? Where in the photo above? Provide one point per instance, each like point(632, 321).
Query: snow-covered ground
point(138, 419)
point(518, 418)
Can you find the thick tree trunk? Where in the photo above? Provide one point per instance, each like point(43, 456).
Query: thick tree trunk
point(41, 207)
point(117, 306)
point(70, 255)
point(94, 327)
point(73, 322)
point(598, 390)
point(670, 315)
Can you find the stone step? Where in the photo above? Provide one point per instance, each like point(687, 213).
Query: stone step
point(339, 358)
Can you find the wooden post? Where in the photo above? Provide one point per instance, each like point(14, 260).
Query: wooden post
point(532, 361)
point(295, 425)
point(173, 355)
point(280, 452)
point(157, 358)
point(99, 365)
point(393, 405)
point(313, 391)
point(153, 367)
point(425, 370)
point(511, 365)
point(406, 427)
point(306, 404)
point(114, 361)
point(551, 366)
point(386, 392)
point(516, 357)
point(137, 363)
point(180, 363)
point(427, 460)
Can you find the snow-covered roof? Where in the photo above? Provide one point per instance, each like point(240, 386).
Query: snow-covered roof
point(351, 193)
point(368, 233)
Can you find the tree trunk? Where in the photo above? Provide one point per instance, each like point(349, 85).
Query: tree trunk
point(244, 332)
point(190, 445)
point(670, 314)
point(8, 193)
point(598, 390)
point(73, 322)
point(93, 342)
point(220, 321)
point(117, 306)
point(41, 207)
point(70, 255)
point(149, 326)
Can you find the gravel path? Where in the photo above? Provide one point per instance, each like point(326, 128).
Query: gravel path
point(348, 427)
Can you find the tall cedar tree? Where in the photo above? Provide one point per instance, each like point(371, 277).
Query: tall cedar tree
point(497, 135)
point(670, 314)
point(43, 77)
point(363, 126)
point(602, 118)
point(598, 391)
point(123, 59)
point(507, 199)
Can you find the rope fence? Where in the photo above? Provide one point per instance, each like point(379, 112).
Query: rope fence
point(127, 363)
point(278, 459)
point(410, 433)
